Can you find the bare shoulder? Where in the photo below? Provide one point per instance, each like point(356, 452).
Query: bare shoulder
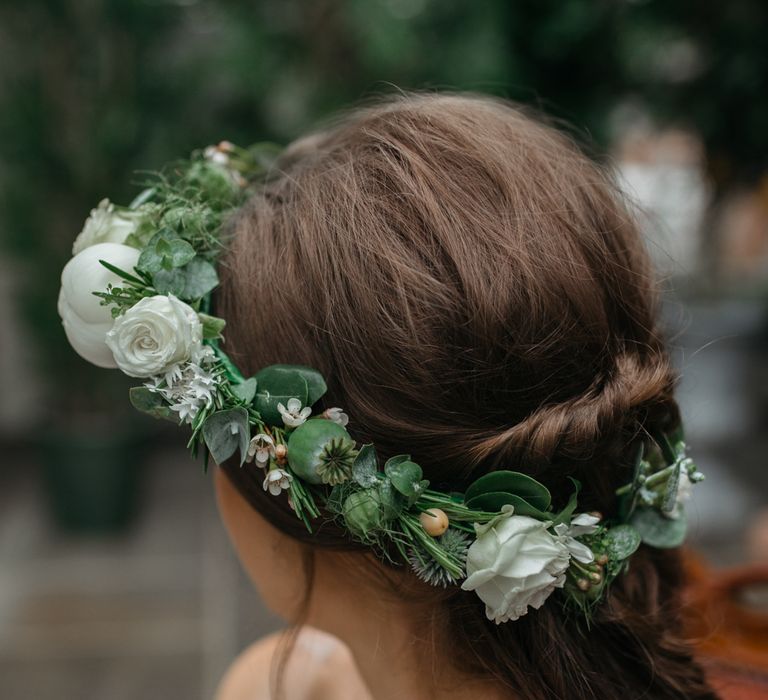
point(319, 667)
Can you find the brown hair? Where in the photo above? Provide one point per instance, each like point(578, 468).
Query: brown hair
point(476, 294)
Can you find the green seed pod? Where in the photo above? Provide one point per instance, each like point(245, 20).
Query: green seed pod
point(321, 447)
point(362, 512)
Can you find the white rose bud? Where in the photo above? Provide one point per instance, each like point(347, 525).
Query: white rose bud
point(514, 563)
point(106, 225)
point(153, 335)
point(86, 322)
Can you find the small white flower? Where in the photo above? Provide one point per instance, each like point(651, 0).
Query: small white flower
point(515, 563)
point(154, 335)
point(173, 374)
point(582, 524)
point(106, 225)
point(187, 410)
point(187, 388)
point(219, 153)
point(213, 154)
point(261, 448)
point(336, 415)
point(202, 383)
point(277, 480)
point(294, 415)
point(203, 355)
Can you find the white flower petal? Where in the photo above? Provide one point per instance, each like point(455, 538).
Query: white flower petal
point(153, 335)
point(514, 564)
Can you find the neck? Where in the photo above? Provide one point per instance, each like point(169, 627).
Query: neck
point(395, 656)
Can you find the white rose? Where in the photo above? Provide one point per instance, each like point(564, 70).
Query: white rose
point(514, 564)
point(105, 225)
point(153, 335)
point(86, 322)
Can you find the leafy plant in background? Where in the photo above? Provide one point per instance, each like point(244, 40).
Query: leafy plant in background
point(91, 90)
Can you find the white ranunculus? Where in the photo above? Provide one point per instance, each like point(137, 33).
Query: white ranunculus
point(514, 564)
point(86, 322)
point(106, 225)
point(153, 335)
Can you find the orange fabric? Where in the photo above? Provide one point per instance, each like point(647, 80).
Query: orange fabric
point(731, 634)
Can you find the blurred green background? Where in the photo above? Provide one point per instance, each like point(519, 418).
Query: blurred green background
point(94, 91)
point(674, 92)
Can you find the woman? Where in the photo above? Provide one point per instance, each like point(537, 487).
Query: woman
point(479, 301)
point(474, 289)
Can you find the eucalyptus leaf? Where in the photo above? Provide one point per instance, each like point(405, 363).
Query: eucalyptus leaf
point(406, 478)
point(200, 279)
point(151, 403)
point(150, 261)
point(622, 541)
point(212, 326)
point(522, 485)
point(165, 251)
point(365, 467)
point(171, 281)
point(180, 252)
point(316, 386)
point(225, 432)
point(245, 391)
point(392, 462)
point(658, 530)
point(277, 384)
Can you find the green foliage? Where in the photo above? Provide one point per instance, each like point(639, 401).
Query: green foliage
point(278, 383)
point(658, 530)
point(164, 252)
point(245, 390)
point(622, 541)
point(365, 467)
point(212, 329)
point(492, 491)
point(151, 403)
point(406, 477)
point(226, 432)
point(74, 129)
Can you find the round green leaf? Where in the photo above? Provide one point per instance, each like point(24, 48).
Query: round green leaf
point(366, 467)
point(657, 530)
point(277, 384)
point(151, 403)
point(536, 494)
point(200, 278)
point(226, 431)
point(622, 541)
point(403, 475)
point(245, 391)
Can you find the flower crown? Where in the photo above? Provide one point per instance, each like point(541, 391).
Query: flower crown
point(137, 296)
